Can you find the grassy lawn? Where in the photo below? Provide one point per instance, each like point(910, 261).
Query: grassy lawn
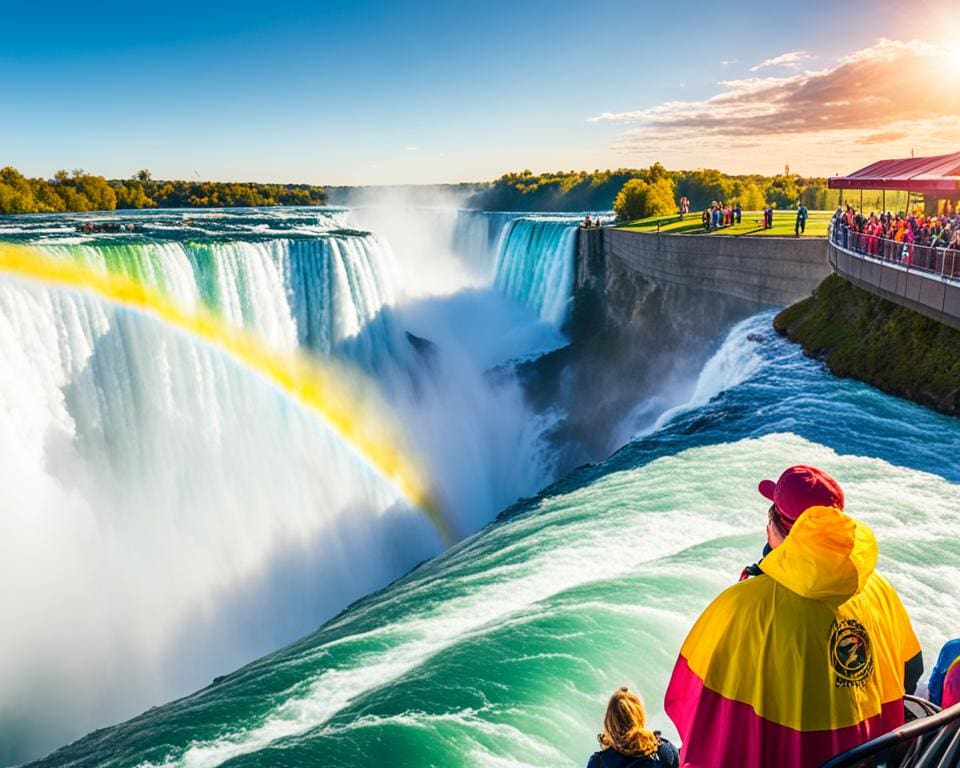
point(750, 224)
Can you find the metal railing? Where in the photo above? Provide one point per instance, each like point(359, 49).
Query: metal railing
point(932, 740)
point(942, 261)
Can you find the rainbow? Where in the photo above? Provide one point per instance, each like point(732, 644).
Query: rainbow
point(342, 398)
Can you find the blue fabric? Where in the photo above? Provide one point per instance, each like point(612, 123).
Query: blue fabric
point(666, 756)
point(948, 654)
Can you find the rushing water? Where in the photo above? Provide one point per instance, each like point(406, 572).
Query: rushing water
point(535, 265)
point(502, 651)
point(167, 515)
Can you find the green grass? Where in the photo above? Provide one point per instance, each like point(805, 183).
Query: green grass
point(751, 224)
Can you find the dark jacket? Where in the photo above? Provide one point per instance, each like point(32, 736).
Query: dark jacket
point(665, 757)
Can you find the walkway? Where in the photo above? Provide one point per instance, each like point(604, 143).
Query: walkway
point(926, 280)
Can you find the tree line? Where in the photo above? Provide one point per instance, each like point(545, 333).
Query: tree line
point(656, 188)
point(80, 191)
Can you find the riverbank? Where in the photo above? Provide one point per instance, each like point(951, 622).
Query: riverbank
point(862, 336)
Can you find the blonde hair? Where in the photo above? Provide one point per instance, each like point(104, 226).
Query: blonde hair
point(624, 726)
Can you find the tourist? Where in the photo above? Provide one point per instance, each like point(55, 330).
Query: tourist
point(914, 239)
point(944, 683)
point(739, 212)
point(807, 659)
point(705, 219)
point(626, 741)
point(801, 224)
point(586, 222)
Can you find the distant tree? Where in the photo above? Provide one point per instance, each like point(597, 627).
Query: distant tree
point(656, 172)
point(661, 197)
point(748, 194)
point(16, 194)
point(142, 175)
point(783, 192)
point(815, 195)
point(639, 199)
point(631, 200)
point(131, 194)
point(96, 190)
point(704, 187)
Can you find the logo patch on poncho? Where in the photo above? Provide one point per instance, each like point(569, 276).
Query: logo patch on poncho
point(851, 653)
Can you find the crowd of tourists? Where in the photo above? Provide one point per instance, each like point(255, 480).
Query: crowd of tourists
point(808, 655)
point(719, 215)
point(914, 239)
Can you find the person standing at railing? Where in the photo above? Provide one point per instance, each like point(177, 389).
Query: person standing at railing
point(908, 240)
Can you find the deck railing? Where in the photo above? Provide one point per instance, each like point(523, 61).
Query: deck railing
point(941, 261)
point(932, 740)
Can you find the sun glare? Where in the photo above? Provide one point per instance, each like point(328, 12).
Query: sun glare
point(952, 49)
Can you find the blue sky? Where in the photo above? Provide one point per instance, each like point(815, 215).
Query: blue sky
point(395, 92)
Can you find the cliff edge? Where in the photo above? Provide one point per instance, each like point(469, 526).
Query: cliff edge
point(862, 336)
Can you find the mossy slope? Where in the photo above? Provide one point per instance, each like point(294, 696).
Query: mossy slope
point(865, 337)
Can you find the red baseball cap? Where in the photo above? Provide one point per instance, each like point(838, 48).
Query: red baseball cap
point(800, 488)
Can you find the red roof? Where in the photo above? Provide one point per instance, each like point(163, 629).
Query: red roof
point(912, 174)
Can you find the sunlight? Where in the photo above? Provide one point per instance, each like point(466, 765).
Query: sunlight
point(953, 56)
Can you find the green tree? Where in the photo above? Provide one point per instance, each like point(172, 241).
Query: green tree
point(16, 194)
point(131, 194)
point(631, 200)
point(656, 172)
point(639, 199)
point(704, 187)
point(661, 197)
point(749, 195)
point(783, 192)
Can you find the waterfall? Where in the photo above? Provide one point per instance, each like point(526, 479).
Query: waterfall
point(167, 515)
point(476, 238)
point(178, 515)
point(535, 264)
point(329, 293)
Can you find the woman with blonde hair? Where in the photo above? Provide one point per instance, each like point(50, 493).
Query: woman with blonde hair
point(626, 741)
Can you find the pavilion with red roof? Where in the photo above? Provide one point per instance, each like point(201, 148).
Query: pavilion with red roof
point(937, 177)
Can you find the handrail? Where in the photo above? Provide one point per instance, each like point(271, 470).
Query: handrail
point(941, 751)
point(943, 262)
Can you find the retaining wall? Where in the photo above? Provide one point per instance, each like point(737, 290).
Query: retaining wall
point(928, 294)
point(770, 271)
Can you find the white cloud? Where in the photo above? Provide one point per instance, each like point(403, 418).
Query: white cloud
point(871, 97)
point(791, 60)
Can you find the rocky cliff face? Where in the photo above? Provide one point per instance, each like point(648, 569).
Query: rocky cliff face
point(862, 336)
point(637, 348)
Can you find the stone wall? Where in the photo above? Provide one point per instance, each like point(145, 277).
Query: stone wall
point(765, 271)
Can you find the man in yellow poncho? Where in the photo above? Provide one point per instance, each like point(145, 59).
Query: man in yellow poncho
point(806, 660)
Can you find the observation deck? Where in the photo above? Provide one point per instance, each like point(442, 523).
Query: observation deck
point(926, 280)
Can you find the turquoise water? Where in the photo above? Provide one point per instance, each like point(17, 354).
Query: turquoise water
point(535, 264)
point(503, 650)
point(166, 515)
